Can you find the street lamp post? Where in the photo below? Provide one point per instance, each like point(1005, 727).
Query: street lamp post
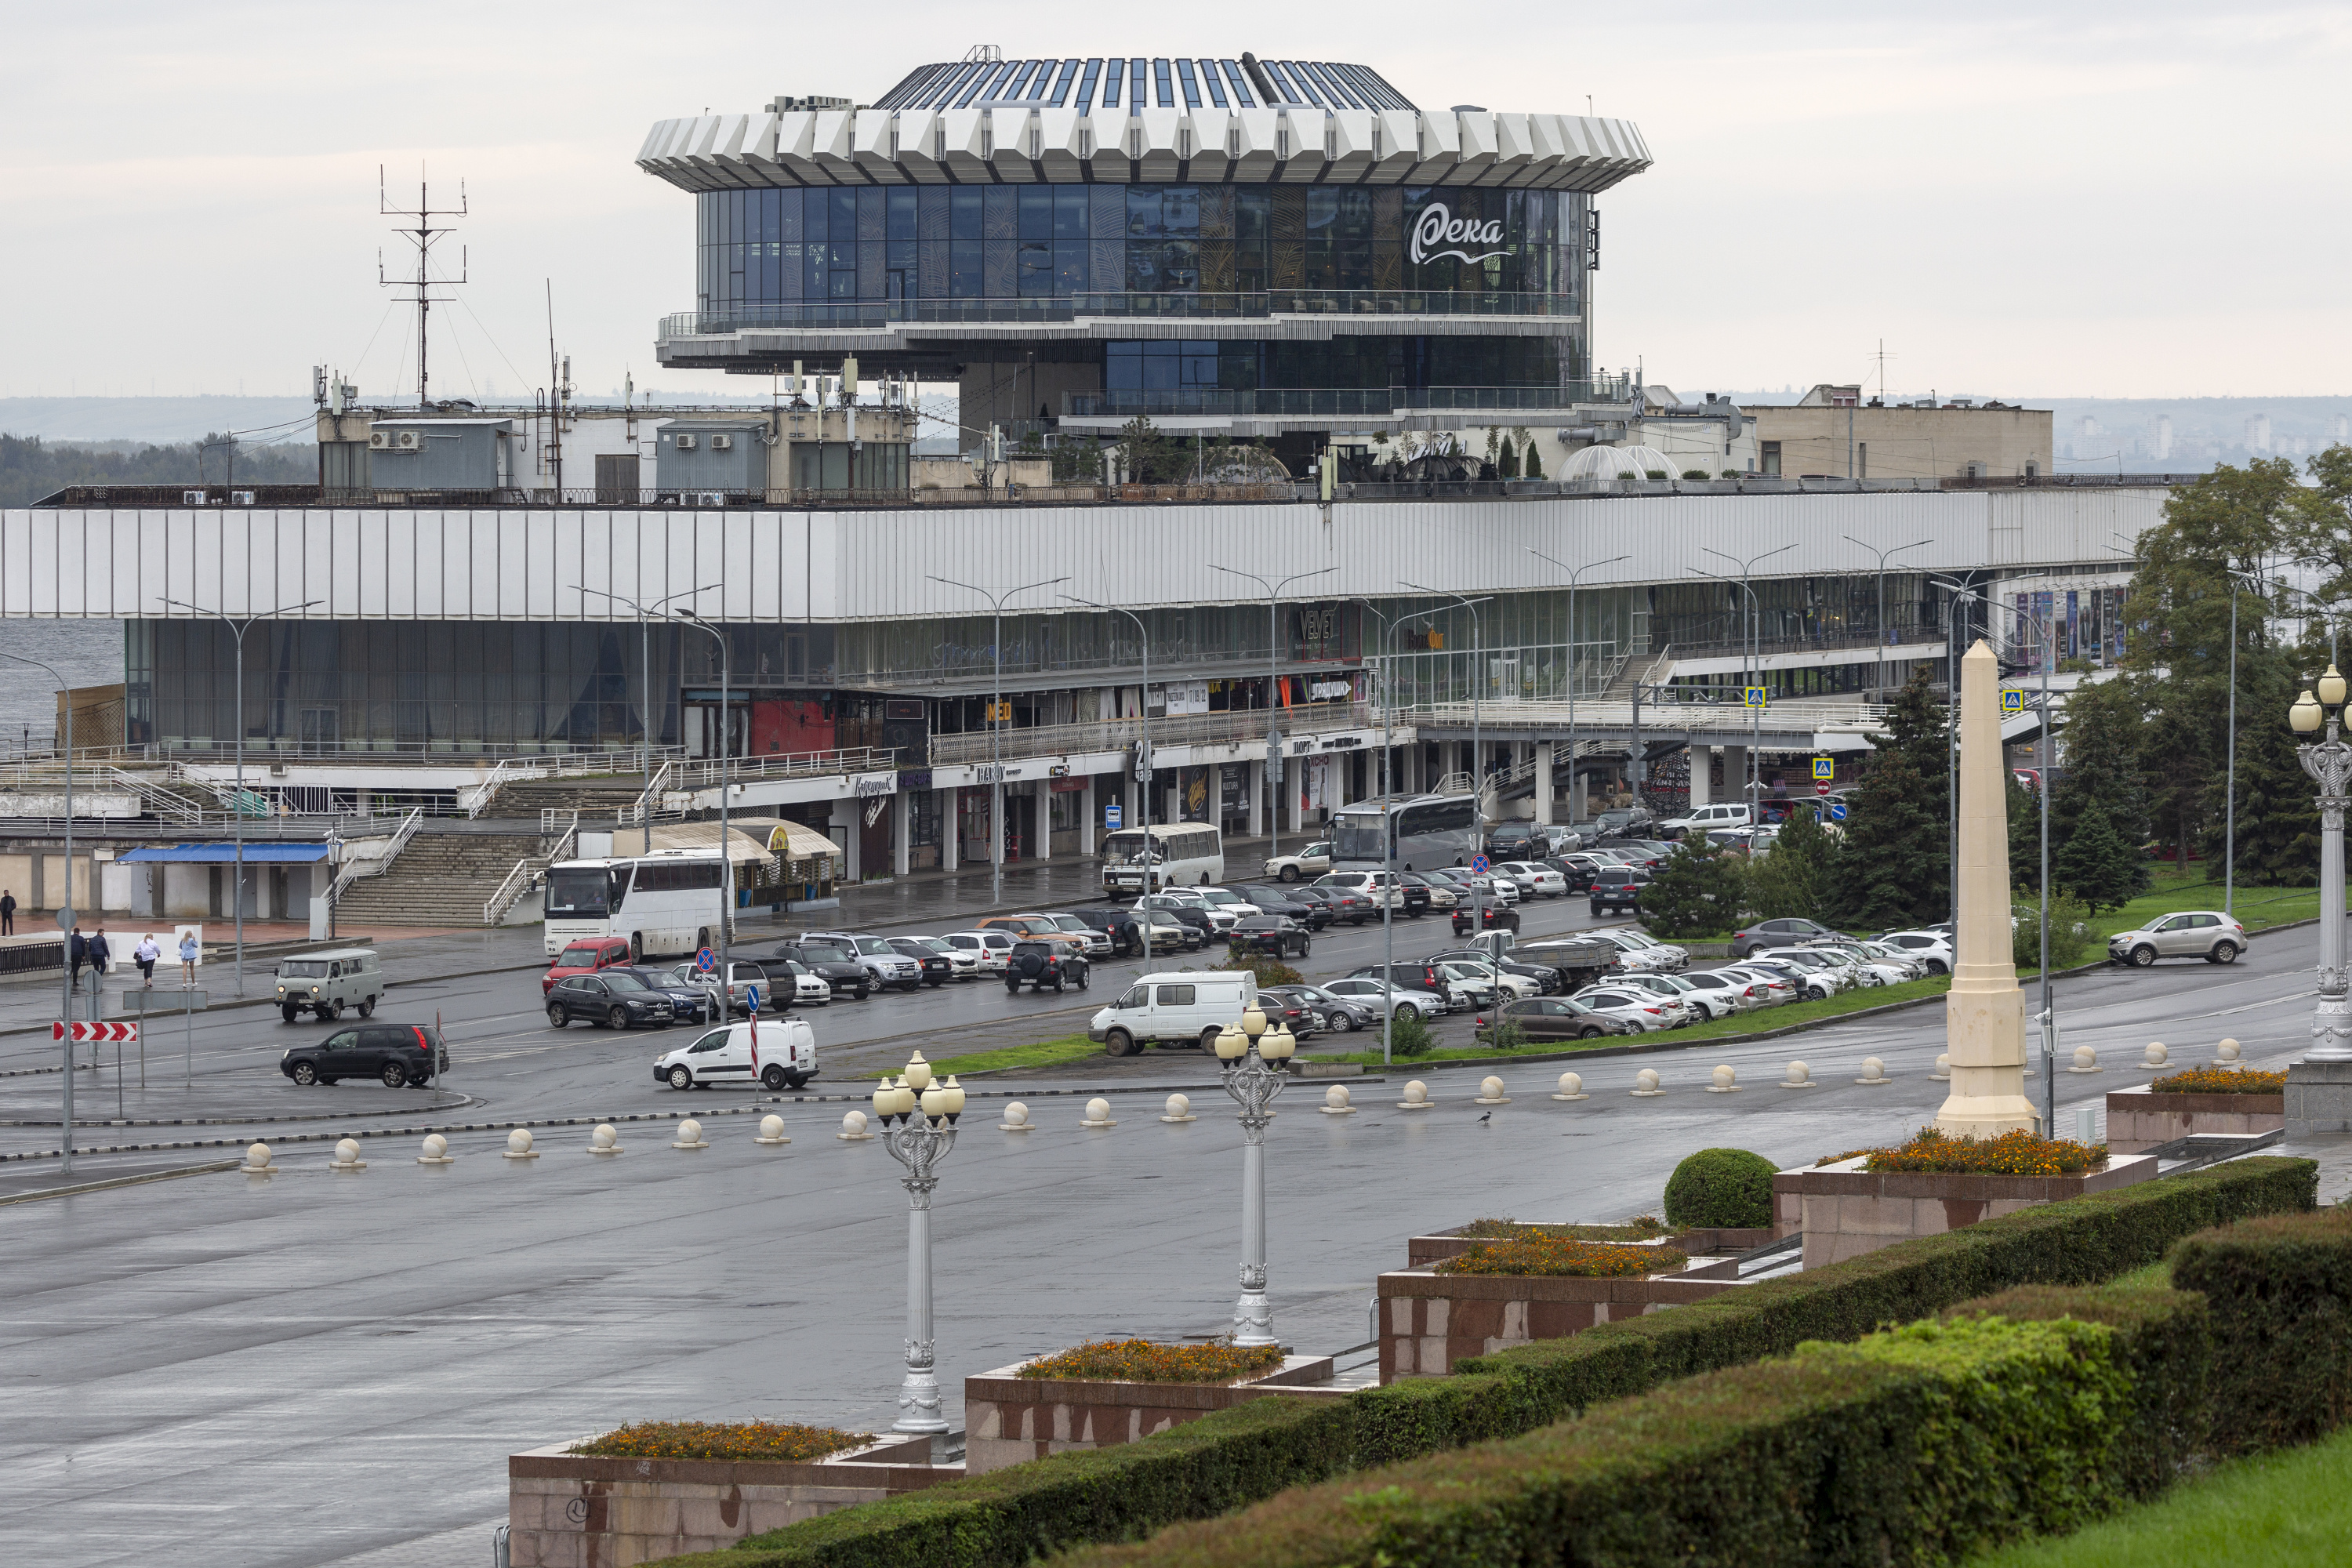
point(1273, 675)
point(996, 726)
point(645, 661)
point(1574, 573)
point(725, 840)
point(1253, 1076)
point(1879, 678)
point(919, 1143)
point(1754, 654)
point(237, 812)
point(1143, 636)
point(2329, 764)
point(1477, 747)
point(1394, 890)
point(64, 931)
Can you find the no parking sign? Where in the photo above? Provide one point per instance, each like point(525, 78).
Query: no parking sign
point(706, 960)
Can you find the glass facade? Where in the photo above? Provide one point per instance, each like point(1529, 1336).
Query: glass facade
point(870, 244)
point(1370, 363)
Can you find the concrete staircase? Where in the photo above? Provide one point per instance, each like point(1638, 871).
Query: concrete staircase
point(595, 799)
point(440, 880)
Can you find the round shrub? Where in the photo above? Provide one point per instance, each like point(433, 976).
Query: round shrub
point(1729, 1188)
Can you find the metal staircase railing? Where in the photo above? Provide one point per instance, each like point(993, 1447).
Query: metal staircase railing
point(406, 831)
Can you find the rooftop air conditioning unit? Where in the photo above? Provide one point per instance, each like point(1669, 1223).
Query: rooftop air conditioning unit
point(410, 440)
point(686, 443)
point(713, 497)
point(378, 439)
point(240, 497)
point(196, 498)
point(722, 443)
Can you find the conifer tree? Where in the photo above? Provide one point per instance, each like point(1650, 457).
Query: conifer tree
point(2097, 866)
point(1893, 867)
point(1793, 879)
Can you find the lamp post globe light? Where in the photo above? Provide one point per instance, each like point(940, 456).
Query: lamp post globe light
point(1253, 1061)
point(2329, 764)
point(918, 1142)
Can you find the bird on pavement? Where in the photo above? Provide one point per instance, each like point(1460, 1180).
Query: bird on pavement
point(1485, 1116)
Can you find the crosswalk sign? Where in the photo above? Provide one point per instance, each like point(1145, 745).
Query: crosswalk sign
point(2012, 702)
point(1826, 767)
point(1754, 697)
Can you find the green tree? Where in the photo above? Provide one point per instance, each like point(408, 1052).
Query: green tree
point(2098, 865)
point(2103, 747)
point(2025, 836)
point(1795, 878)
point(1698, 891)
point(1146, 456)
point(2277, 819)
point(1535, 459)
point(1893, 867)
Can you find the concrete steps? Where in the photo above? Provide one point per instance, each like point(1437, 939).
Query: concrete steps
point(440, 880)
point(595, 799)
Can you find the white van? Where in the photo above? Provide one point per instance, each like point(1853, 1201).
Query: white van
point(1173, 1006)
point(787, 1053)
point(1705, 819)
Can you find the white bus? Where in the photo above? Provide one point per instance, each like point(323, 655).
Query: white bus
point(665, 903)
point(1177, 855)
point(1430, 832)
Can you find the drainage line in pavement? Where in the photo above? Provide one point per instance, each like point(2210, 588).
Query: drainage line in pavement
point(460, 1104)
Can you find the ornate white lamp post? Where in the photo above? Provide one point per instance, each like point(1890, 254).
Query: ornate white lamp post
point(919, 1143)
point(2329, 762)
point(1254, 1075)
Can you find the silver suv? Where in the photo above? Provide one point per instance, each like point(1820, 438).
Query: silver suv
point(2208, 934)
point(875, 956)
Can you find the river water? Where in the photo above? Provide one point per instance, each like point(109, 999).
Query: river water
point(86, 653)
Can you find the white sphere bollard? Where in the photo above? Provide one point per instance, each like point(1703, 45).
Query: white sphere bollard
point(1335, 1102)
point(1646, 1083)
point(1017, 1118)
point(519, 1146)
point(2228, 1054)
point(690, 1135)
point(1726, 1080)
point(1943, 1073)
point(1571, 1087)
point(1874, 1071)
point(2155, 1055)
point(772, 1132)
point(257, 1160)
point(2086, 1060)
point(346, 1156)
point(606, 1138)
point(853, 1129)
point(1798, 1076)
point(1490, 1092)
point(1097, 1113)
point(436, 1151)
point(1180, 1109)
point(1416, 1097)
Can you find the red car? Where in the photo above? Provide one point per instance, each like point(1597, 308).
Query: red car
point(586, 958)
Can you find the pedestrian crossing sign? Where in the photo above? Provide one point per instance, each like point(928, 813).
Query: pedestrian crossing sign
point(1826, 767)
point(1754, 697)
point(2012, 702)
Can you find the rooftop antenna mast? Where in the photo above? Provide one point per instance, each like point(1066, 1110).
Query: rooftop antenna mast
point(421, 235)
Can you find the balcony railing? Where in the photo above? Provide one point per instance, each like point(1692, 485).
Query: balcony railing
point(1260, 304)
point(1383, 402)
point(1178, 730)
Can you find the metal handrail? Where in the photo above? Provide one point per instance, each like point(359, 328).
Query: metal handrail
point(568, 839)
point(703, 772)
point(406, 831)
point(484, 792)
point(509, 890)
point(1184, 730)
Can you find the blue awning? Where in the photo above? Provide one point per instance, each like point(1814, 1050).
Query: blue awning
point(225, 854)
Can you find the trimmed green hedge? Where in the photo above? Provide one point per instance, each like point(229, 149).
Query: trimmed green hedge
point(1233, 1459)
point(1726, 1187)
point(2280, 1289)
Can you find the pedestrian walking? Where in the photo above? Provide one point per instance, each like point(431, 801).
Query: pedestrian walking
point(144, 955)
point(99, 954)
point(188, 958)
point(79, 950)
point(7, 912)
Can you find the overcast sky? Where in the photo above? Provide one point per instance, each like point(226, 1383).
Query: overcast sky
point(2085, 199)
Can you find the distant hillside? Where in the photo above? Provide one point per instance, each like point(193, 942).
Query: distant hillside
point(31, 467)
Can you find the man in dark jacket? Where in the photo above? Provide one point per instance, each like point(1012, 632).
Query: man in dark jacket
point(99, 954)
point(78, 950)
point(7, 912)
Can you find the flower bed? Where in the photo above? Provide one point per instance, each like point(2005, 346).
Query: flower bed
point(1648, 1227)
point(2011, 1154)
point(1142, 1361)
point(783, 1440)
point(1565, 1256)
point(2220, 1080)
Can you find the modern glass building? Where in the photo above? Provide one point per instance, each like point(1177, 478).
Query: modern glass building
point(1247, 247)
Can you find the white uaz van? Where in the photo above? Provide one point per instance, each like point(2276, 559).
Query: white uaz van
point(1187, 1005)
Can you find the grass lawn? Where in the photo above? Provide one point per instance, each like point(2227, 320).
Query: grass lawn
point(2278, 1511)
point(1043, 1053)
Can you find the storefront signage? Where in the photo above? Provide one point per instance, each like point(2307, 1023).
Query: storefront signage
point(1436, 227)
point(878, 783)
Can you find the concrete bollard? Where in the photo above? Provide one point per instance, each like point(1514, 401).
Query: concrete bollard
point(1874, 1071)
point(1490, 1092)
point(2086, 1060)
point(1798, 1075)
point(1416, 1097)
point(2155, 1055)
point(1571, 1087)
point(690, 1135)
point(436, 1151)
point(1943, 1073)
point(1097, 1115)
point(2227, 1055)
point(772, 1132)
point(1646, 1083)
point(257, 1161)
point(1180, 1109)
point(346, 1156)
point(1726, 1080)
point(519, 1146)
point(1335, 1102)
point(853, 1129)
point(604, 1140)
point(1017, 1118)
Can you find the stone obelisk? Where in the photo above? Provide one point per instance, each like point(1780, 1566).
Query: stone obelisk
point(1984, 1015)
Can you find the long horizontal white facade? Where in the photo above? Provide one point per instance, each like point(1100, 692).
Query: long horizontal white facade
point(847, 566)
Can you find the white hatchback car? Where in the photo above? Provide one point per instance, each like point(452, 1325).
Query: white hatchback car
point(993, 948)
point(776, 1055)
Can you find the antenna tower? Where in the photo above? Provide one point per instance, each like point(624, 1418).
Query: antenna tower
point(422, 236)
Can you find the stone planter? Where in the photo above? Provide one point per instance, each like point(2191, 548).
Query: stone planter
point(1846, 1211)
point(1421, 1251)
point(1009, 1420)
point(1430, 1321)
point(2140, 1119)
point(574, 1511)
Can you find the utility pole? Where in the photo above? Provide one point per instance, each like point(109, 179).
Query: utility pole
point(1574, 574)
point(1273, 676)
point(1754, 657)
point(1477, 748)
point(1879, 680)
point(1143, 635)
point(422, 237)
point(996, 727)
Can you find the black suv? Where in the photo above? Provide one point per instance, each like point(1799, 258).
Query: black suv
point(396, 1055)
point(688, 1003)
point(610, 998)
point(1497, 918)
point(1038, 964)
point(1272, 935)
point(1617, 887)
point(833, 962)
point(1517, 841)
point(1119, 925)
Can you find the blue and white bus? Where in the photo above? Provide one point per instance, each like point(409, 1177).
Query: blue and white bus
point(1428, 831)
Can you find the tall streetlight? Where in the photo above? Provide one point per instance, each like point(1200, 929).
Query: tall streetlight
point(1754, 657)
point(2042, 630)
point(1273, 678)
point(1252, 1075)
point(65, 907)
point(1749, 786)
point(1394, 890)
point(996, 726)
point(1574, 573)
point(725, 840)
point(1879, 683)
point(646, 660)
point(918, 1144)
point(1144, 635)
point(2329, 764)
point(1477, 746)
point(236, 815)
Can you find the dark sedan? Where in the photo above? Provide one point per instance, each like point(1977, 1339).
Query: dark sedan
point(937, 970)
point(688, 1004)
point(1421, 895)
point(1270, 901)
point(1325, 1011)
point(1496, 918)
point(1272, 935)
point(1554, 1019)
point(612, 1000)
point(395, 1054)
point(1281, 1006)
